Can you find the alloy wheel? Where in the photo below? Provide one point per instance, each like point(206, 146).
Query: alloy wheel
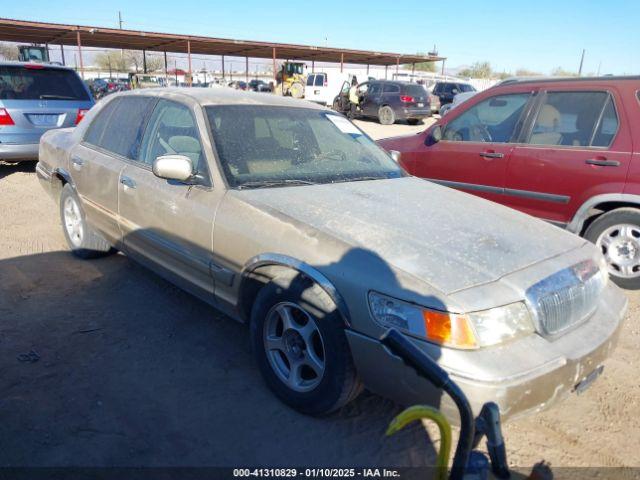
point(620, 245)
point(294, 346)
point(73, 221)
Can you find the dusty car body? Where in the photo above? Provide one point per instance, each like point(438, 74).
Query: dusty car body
point(517, 311)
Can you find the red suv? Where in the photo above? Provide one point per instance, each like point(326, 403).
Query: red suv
point(564, 150)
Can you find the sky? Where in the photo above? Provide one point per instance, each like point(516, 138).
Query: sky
point(537, 35)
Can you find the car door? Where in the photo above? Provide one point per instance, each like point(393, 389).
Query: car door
point(577, 146)
point(97, 161)
point(167, 224)
point(371, 100)
point(475, 146)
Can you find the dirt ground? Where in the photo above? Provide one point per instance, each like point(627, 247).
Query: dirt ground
point(103, 363)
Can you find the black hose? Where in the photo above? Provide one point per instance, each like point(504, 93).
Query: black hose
point(429, 369)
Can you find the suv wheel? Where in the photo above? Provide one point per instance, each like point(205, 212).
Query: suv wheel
point(386, 115)
point(299, 343)
point(617, 235)
point(83, 241)
point(414, 121)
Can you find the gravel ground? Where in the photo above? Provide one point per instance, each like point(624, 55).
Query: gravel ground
point(104, 363)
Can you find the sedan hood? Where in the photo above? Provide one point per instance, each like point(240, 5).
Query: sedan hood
point(447, 238)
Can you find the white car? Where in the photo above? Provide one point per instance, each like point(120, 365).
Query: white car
point(323, 87)
point(457, 100)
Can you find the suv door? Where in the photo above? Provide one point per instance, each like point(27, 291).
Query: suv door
point(371, 100)
point(475, 146)
point(166, 224)
point(577, 146)
point(96, 162)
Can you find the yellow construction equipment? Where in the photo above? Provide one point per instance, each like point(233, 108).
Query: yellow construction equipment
point(291, 79)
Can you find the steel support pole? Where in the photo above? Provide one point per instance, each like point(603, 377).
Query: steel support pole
point(341, 62)
point(189, 56)
point(397, 67)
point(144, 61)
point(80, 54)
point(413, 70)
point(275, 74)
point(62, 54)
point(367, 69)
point(223, 76)
point(313, 66)
point(385, 71)
point(246, 70)
point(166, 68)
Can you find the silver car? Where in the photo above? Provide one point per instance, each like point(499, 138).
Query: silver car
point(284, 215)
point(34, 98)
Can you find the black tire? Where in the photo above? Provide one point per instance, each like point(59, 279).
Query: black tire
point(414, 121)
point(386, 115)
point(607, 222)
point(87, 244)
point(339, 383)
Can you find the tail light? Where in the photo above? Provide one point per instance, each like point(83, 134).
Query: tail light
point(325, 82)
point(406, 99)
point(81, 113)
point(5, 118)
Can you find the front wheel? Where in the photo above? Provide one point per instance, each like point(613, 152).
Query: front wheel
point(414, 121)
point(300, 346)
point(617, 236)
point(83, 241)
point(386, 115)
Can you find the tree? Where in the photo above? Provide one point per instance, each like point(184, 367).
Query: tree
point(9, 52)
point(112, 61)
point(135, 60)
point(523, 72)
point(423, 66)
point(477, 70)
point(561, 72)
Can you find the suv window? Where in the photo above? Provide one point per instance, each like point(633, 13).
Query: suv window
point(310, 80)
point(570, 118)
point(390, 88)
point(374, 89)
point(465, 87)
point(608, 126)
point(492, 120)
point(319, 80)
point(126, 125)
point(99, 123)
point(172, 129)
point(40, 83)
point(414, 90)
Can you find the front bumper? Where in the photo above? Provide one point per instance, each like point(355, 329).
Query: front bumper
point(13, 152)
point(523, 376)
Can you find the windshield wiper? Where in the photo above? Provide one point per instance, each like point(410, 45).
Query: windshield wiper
point(55, 97)
point(361, 179)
point(274, 183)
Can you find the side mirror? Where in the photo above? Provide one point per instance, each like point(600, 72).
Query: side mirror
point(395, 154)
point(173, 167)
point(455, 91)
point(435, 135)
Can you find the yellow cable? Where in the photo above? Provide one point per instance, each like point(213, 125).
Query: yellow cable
point(418, 412)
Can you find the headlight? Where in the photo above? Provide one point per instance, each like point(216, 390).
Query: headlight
point(465, 331)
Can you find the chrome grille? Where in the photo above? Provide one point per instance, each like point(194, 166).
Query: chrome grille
point(567, 297)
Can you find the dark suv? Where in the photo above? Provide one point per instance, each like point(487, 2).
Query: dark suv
point(389, 101)
point(445, 91)
point(564, 150)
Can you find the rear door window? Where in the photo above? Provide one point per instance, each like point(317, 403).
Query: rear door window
point(98, 124)
point(126, 124)
point(310, 80)
point(570, 119)
point(492, 120)
point(319, 80)
point(414, 90)
point(40, 83)
point(391, 88)
point(607, 127)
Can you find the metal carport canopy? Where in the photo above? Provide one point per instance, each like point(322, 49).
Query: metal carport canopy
point(54, 33)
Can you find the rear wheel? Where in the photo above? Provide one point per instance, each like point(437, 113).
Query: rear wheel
point(299, 343)
point(296, 90)
point(83, 241)
point(617, 236)
point(386, 115)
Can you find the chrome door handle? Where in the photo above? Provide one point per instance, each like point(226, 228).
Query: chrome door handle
point(602, 162)
point(127, 182)
point(491, 155)
point(77, 163)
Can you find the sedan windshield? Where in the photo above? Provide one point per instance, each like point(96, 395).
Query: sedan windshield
point(269, 146)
